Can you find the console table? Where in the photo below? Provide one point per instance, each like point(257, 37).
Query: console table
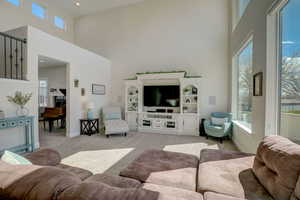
point(27, 123)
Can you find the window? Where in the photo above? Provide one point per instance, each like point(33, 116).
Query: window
point(38, 10)
point(289, 71)
point(43, 93)
point(244, 85)
point(242, 6)
point(14, 2)
point(59, 22)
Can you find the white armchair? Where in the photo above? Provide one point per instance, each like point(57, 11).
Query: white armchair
point(113, 121)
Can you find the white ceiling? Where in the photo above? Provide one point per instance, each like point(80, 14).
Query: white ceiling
point(90, 6)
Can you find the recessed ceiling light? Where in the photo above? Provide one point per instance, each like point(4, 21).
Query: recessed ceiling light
point(77, 4)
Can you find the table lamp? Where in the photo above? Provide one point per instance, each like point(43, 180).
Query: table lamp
point(90, 106)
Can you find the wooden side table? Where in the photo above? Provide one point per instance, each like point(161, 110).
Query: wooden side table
point(89, 126)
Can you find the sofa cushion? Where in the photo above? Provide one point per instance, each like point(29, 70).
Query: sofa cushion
point(116, 126)
point(44, 157)
point(277, 166)
point(115, 181)
point(81, 173)
point(41, 183)
point(175, 193)
point(229, 173)
point(216, 196)
point(10, 173)
point(296, 193)
point(49, 183)
point(164, 168)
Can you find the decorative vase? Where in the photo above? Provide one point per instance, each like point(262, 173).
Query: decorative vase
point(22, 111)
point(90, 115)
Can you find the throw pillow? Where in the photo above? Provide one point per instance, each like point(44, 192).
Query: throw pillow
point(218, 121)
point(14, 159)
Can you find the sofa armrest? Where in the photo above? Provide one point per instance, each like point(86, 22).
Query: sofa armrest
point(44, 157)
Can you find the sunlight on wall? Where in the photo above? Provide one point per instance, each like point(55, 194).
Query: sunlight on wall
point(96, 161)
point(192, 148)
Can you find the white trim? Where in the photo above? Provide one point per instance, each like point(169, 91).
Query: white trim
point(242, 126)
point(272, 119)
point(245, 43)
point(276, 6)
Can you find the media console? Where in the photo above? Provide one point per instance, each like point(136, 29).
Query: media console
point(181, 120)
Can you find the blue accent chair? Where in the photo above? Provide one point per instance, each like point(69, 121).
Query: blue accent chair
point(219, 130)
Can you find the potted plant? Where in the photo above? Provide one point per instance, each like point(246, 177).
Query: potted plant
point(20, 100)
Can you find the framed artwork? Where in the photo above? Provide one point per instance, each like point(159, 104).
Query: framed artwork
point(98, 89)
point(258, 84)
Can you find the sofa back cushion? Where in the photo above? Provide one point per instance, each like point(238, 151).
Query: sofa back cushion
point(277, 166)
point(44, 157)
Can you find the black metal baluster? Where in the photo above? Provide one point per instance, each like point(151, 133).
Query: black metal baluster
point(5, 65)
point(17, 59)
point(21, 60)
point(11, 60)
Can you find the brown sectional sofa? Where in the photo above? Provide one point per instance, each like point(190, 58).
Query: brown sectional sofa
point(273, 173)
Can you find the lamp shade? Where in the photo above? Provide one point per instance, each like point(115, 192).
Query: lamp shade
point(90, 106)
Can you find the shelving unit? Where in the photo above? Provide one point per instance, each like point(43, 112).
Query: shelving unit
point(184, 120)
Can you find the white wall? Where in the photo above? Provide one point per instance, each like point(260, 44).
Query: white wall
point(13, 17)
point(56, 76)
point(253, 22)
point(83, 65)
point(157, 35)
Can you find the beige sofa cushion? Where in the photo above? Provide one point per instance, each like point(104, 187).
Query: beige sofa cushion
point(172, 193)
point(164, 168)
point(277, 166)
point(220, 172)
point(215, 196)
point(11, 173)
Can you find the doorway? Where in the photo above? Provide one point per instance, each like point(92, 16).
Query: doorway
point(53, 87)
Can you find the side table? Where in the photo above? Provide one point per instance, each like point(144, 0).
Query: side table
point(89, 126)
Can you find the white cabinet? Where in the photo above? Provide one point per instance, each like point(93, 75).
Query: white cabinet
point(190, 124)
point(132, 120)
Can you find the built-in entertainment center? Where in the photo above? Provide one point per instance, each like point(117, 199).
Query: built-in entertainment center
point(166, 103)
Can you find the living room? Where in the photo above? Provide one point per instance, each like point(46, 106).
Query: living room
point(156, 94)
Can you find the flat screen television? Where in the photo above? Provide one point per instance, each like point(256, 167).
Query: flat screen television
point(162, 96)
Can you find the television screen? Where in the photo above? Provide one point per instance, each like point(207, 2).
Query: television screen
point(162, 96)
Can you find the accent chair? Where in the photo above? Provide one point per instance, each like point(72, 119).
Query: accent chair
point(219, 125)
point(113, 122)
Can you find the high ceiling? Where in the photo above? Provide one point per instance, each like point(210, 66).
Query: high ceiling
point(90, 6)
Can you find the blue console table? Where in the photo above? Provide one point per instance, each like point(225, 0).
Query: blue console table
point(26, 122)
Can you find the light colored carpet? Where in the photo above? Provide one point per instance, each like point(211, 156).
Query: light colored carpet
point(99, 154)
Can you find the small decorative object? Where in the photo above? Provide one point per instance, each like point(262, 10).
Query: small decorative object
point(21, 100)
point(194, 90)
point(188, 100)
point(2, 115)
point(90, 106)
point(76, 83)
point(82, 92)
point(258, 84)
point(187, 91)
point(98, 89)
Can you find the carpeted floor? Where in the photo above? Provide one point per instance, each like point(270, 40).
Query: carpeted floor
point(99, 154)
